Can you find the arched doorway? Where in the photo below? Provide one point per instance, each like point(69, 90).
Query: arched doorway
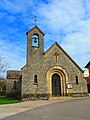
point(63, 77)
point(56, 85)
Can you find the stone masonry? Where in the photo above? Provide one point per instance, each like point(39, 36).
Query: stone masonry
point(38, 75)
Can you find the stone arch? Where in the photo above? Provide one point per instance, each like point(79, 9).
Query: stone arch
point(64, 79)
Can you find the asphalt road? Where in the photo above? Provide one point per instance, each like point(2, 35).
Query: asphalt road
point(78, 109)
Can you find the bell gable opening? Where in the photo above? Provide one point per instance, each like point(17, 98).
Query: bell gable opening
point(35, 40)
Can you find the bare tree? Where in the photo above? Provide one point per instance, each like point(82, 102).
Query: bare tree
point(3, 65)
point(2, 84)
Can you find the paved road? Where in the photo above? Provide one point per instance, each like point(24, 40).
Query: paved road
point(12, 109)
point(78, 109)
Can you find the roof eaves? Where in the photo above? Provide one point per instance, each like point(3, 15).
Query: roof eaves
point(69, 57)
point(23, 67)
point(34, 28)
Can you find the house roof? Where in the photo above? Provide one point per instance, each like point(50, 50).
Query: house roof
point(34, 28)
point(14, 74)
point(65, 54)
point(87, 65)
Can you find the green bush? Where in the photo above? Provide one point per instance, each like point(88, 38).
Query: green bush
point(2, 93)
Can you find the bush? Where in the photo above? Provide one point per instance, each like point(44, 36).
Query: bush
point(16, 95)
point(2, 93)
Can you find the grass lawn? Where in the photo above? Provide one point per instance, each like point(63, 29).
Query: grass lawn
point(6, 100)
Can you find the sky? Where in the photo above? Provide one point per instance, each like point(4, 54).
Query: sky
point(64, 21)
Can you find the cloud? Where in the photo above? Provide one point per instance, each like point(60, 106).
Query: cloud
point(64, 21)
point(69, 21)
point(14, 53)
point(17, 6)
point(61, 12)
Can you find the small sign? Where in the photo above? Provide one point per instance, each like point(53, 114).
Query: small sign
point(69, 86)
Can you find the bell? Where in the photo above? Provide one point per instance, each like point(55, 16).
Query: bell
point(35, 40)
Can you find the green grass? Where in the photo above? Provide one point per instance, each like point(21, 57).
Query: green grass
point(6, 100)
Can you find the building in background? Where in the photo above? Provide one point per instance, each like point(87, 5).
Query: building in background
point(87, 76)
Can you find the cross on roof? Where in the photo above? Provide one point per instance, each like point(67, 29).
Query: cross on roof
point(35, 19)
point(56, 55)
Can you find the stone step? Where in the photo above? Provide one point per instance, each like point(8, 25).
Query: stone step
point(59, 98)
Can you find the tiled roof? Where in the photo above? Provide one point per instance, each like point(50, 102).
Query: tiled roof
point(14, 74)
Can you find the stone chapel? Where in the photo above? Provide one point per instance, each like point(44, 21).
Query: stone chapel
point(46, 73)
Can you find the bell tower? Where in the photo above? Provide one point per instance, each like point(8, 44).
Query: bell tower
point(35, 44)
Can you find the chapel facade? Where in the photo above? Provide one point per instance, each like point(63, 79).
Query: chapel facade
point(52, 72)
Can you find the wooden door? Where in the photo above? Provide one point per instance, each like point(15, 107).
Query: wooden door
point(56, 85)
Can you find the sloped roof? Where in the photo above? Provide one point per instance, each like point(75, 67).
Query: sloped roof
point(65, 54)
point(23, 67)
point(34, 28)
point(87, 65)
point(14, 74)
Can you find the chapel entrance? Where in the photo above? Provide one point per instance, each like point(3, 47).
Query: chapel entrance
point(56, 85)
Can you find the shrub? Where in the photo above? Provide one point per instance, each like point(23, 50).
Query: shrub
point(2, 93)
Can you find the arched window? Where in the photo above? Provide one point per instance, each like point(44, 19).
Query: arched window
point(35, 79)
point(35, 40)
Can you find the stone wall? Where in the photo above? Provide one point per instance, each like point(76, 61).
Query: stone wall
point(10, 90)
point(70, 67)
point(41, 65)
point(44, 65)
